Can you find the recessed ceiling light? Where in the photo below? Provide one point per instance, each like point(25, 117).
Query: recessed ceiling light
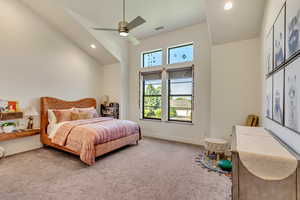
point(93, 46)
point(228, 5)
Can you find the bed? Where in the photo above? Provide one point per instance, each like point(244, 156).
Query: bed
point(93, 149)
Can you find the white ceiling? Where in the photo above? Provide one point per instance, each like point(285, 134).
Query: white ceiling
point(55, 14)
point(242, 22)
point(172, 14)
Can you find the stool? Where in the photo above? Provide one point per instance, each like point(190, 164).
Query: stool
point(219, 146)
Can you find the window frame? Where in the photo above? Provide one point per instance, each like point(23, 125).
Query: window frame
point(152, 51)
point(143, 101)
point(178, 46)
point(164, 70)
point(169, 95)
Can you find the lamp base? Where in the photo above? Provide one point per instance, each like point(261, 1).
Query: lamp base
point(30, 123)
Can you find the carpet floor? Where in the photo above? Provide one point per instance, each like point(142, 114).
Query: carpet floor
point(152, 170)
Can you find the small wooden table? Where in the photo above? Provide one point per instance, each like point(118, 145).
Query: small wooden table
point(18, 134)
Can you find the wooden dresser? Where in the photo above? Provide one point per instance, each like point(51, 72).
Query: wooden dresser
point(247, 186)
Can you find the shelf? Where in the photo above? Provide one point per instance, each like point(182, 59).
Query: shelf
point(11, 115)
point(15, 135)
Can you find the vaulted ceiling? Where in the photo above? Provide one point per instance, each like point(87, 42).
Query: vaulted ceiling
point(171, 14)
point(242, 22)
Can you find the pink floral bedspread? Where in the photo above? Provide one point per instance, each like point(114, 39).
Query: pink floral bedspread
point(82, 135)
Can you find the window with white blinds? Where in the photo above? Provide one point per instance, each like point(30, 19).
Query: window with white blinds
point(151, 99)
point(180, 95)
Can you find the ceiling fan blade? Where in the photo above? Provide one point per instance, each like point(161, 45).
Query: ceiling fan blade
point(133, 40)
point(105, 29)
point(135, 23)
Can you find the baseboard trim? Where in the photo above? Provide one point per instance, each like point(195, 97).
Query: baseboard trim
point(175, 139)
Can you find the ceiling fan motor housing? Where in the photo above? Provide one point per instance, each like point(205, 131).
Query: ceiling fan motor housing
point(123, 26)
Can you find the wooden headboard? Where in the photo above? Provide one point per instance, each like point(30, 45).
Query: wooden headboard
point(53, 103)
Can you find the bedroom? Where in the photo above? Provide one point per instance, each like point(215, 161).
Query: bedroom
point(168, 105)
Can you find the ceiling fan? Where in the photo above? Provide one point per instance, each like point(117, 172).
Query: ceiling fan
point(124, 27)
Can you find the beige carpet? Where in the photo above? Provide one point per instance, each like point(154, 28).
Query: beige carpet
point(153, 170)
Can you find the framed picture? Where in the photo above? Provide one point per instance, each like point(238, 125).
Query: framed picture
point(292, 98)
point(278, 85)
point(3, 106)
point(292, 28)
point(269, 98)
point(269, 51)
point(279, 39)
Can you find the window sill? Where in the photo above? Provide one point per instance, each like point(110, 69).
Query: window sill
point(151, 120)
point(171, 122)
point(179, 122)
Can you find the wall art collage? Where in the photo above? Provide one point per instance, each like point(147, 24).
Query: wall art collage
point(282, 55)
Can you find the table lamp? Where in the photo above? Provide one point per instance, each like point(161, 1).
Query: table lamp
point(104, 100)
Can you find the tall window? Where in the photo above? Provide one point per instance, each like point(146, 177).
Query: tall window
point(152, 85)
point(153, 58)
point(166, 91)
point(181, 54)
point(180, 95)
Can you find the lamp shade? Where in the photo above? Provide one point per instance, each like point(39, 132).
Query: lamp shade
point(30, 111)
point(104, 99)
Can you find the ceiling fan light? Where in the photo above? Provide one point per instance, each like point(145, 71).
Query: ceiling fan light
point(124, 34)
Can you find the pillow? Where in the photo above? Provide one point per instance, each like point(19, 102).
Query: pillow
point(62, 115)
point(52, 117)
point(81, 115)
point(92, 110)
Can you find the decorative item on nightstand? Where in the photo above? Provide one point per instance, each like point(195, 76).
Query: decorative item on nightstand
point(30, 112)
point(111, 110)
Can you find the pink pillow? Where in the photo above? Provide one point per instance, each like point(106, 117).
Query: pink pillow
point(81, 115)
point(63, 115)
point(91, 110)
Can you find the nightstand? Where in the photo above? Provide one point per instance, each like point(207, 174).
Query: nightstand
point(112, 110)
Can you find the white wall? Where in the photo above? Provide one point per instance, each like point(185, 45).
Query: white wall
point(291, 138)
point(201, 116)
point(36, 61)
point(112, 83)
point(118, 47)
point(235, 85)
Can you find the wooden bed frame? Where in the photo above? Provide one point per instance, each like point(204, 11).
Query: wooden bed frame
point(53, 103)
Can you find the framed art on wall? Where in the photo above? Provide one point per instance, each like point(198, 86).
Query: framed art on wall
point(292, 28)
point(292, 91)
point(269, 51)
point(269, 98)
point(279, 39)
point(278, 85)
